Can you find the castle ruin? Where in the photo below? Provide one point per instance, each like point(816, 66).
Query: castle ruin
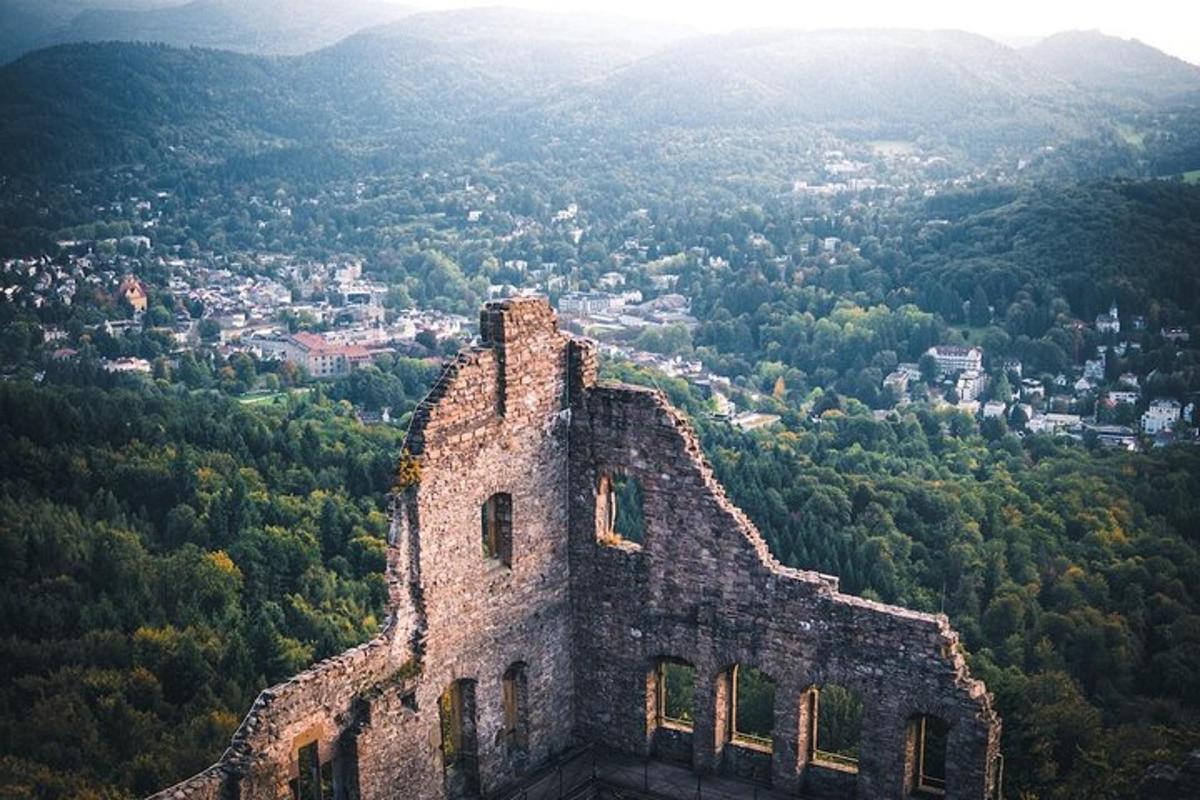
point(524, 625)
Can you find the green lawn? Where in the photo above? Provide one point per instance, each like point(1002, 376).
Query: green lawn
point(1192, 177)
point(255, 398)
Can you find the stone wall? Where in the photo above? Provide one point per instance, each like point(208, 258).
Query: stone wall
point(703, 588)
point(588, 616)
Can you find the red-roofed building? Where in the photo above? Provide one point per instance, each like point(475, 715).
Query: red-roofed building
point(319, 356)
point(134, 291)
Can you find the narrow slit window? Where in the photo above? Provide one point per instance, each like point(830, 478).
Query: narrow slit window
point(450, 710)
point(752, 717)
point(496, 528)
point(836, 717)
point(676, 694)
point(516, 705)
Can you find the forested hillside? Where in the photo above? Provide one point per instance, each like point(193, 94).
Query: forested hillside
point(1121, 69)
point(164, 556)
point(496, 74)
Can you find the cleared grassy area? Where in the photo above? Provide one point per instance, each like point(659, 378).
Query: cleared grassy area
point(1192, 176)
point(257, 398)
point(1131, 135)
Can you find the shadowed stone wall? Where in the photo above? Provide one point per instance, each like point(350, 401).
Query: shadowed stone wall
point(588, 615)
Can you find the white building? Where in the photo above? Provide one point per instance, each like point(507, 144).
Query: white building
point(898, 382)
point(586, 303)
point(1032, 389)
point(994, 408)
point(971, 384)
point(1162, 415)
point(1124, 396)
point(321, 357)
point(1109, 322)
point(952, 358)
point(1053, 423)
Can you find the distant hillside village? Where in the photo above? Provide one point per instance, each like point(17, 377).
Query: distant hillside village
point(327, 320)
point(322, 319)
point(1091, 401)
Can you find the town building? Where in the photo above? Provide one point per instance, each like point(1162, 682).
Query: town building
point(1116, 436)
point(971, 385)
point(1162, 415)
point(1118, 396)
point(1109, 322)
point(134, 292)
point(1054, 423)
point(583, 304)
point(954, 358)
point(897, 381)
point(1176, 335)
point(320, 357)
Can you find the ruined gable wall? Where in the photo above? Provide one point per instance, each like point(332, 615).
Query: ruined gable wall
point(495, 423)
point(704, 588)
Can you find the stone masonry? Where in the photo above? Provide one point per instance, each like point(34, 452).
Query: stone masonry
point(492, 663)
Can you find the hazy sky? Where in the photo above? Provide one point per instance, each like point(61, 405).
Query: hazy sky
point(1166, 24)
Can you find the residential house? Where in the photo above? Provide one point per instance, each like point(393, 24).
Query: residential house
point(898, 382)
point(994, 408)
point(971, 385)
point(1176, 335)
point(1162, 415)
point(134, 292)
point(1109, 322)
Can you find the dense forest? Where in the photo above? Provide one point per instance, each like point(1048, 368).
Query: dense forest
point(165, 555)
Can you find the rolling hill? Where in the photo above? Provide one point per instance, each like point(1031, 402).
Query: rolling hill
point(264, 27)
point(478, 74)
point(28, 24)
point(875, 83)
point(1118, 69)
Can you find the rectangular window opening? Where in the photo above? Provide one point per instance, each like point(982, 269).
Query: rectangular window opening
point(621, 517)
point(516, 706)
point(314, 780)
point(752, 720)
point(496, 528)
point(836, 718)
point(932, 734)
point(676, 693)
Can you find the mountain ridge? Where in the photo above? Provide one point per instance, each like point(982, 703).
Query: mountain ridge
point(443, 72)
point(1116, 68)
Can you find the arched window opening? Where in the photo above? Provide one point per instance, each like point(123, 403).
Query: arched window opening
point(752, 708)
point(835, 726)
point(516, 706)
point(620, 517)
point(675, 694)
point(927, 738)
point(496, 524)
